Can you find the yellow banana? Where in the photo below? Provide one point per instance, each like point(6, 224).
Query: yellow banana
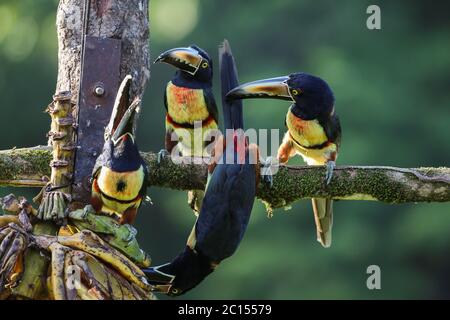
point(6, 241)
point(69, 277)
point(98, 278)
point(7, 219)
point(57, 271)
point(105, 282)
point(89, 242)
point(17, 250)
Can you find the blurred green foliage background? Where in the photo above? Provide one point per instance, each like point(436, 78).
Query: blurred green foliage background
point(392, 93)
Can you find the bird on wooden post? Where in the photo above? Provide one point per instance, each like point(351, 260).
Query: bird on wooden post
point(188, 100)
point(119, 178)
point(228, 201)
point(314, 130)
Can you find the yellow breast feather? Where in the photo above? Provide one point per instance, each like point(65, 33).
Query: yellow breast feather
point(306, 132)
point(186, 105)
point(121, 185)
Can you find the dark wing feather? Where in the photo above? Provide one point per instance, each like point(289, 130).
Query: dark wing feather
point(143, 191)
point(225, 211)
point(211, 104)
point(332, 127)
point(232, 110)
point(165, 100)
point(337, 131)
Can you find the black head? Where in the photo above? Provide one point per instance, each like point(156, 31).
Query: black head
point(311, 95)
point(205, 72)
point(122, 155)
point(193, 63)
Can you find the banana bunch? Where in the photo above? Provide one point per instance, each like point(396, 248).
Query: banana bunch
point(84, 267)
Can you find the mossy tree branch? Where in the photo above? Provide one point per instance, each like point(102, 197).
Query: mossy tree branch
point(25, 167)
point(29, 166)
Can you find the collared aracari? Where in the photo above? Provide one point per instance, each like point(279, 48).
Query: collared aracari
point(314, 131)
point(189, 99)
point(119, 178)
point(228, 201)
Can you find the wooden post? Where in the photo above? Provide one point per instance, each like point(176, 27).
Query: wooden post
point(116, 44)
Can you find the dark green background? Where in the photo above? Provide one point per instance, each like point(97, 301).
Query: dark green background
point(392, 94)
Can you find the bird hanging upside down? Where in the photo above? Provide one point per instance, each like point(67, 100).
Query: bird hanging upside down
point(314, 131)
point(189, 99)
point(227, 205)
point(120, 174)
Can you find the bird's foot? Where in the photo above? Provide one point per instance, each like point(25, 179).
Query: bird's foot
point(329, 173)
point(267, 169)
point(149, 200)
point(162, 154)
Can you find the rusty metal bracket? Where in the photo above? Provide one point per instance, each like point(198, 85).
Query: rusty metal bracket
point(100, 78)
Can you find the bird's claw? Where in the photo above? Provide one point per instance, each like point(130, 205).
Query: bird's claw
point(162, 154)
point(329, 173)
point(266, 170)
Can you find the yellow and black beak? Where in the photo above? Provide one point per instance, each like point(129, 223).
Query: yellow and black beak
point(186, 59)
point(122, 117)
point(273, 88)
point(125, 126)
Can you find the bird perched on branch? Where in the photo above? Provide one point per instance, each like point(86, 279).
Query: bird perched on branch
point(228, 200)
point(119, 181)
point(314, 131)
point(189, 99)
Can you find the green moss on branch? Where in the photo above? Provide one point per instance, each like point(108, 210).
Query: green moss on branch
point(25, 166)
point(291, 183)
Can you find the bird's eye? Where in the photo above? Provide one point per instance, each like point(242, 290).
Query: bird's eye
point(295, 92)
point(205, 65)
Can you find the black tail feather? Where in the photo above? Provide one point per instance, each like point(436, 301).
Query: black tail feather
point(232, 110)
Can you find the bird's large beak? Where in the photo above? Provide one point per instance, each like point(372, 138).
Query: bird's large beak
point(122, 116)
point(125, 126)
point(185, 59)
point(273, 88)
